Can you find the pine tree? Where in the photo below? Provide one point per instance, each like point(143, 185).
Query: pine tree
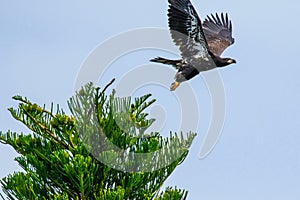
point(101, 151)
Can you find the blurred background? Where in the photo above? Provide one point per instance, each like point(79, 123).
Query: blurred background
point(43, 46)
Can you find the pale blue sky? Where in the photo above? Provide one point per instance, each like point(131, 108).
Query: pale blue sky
point(43, 45)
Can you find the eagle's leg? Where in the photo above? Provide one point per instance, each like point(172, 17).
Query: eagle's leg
point(174, 85)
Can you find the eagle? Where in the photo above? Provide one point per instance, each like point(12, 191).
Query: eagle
point(200, 44)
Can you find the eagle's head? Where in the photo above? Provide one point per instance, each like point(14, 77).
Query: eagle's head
point(225, 61)
point(229, 61)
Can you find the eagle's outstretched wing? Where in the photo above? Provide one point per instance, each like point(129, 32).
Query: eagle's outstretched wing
point(186, 29)
point(218, 33)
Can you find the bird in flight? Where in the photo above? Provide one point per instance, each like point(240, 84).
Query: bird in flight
point(200, 44)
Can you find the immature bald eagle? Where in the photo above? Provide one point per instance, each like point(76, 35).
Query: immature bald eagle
point(201, 44)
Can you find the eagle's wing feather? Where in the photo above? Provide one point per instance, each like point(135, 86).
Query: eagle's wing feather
point(218, 33)
point(186, 29)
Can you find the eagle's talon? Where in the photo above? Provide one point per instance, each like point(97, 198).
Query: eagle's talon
point(174, 86)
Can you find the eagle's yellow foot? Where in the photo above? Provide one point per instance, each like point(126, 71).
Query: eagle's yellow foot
point(174, 86)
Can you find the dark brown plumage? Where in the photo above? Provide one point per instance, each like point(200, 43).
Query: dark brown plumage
point(201, 44)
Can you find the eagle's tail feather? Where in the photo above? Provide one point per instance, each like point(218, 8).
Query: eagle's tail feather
point(174, 63)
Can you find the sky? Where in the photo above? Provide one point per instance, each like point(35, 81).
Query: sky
point(44, 45)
